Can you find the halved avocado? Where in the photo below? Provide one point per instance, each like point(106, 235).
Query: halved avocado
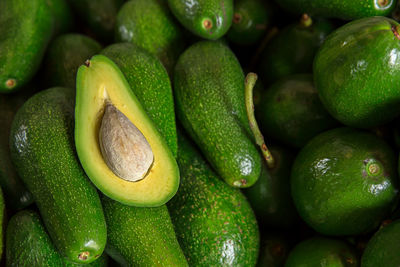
point(100, 82)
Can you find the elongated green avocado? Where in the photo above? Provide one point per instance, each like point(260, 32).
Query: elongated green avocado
point(43, 151)
point(28, 244)
point(150, 82)
point(209, 95)
point(214, 223)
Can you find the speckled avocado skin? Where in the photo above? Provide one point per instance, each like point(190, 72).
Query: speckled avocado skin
point(150, 83)
point(214, 223)
point(141, 236)
point(28, 244)
point(43, 152)
point(193, 13)
point(150, 25)
point(357, 72)
point(209, 98)
point(342, 9)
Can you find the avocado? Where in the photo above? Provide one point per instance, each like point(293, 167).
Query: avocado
point(214, 223)
point(99, 16)
point(383, 248)
point(27, 27)
point(344, 182)
point(150, 25)
point(290, 111)
point(64, 18)
point(43, 152)
point(270, 197)
point(210, 103)
point(64, 56)
point(15, 192)
point(138, 236)
point(293, 49)
point(341, 9)
point(118, 145)
point(251, 19)
point(357, 72)
point(28, 244)
point(322, 251)
point(275, 248)
point(150, 83)
point(209, 19)
point(3, 222)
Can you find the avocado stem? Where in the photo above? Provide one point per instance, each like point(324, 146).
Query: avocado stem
point(249, 83)
point(305, 20)
point(395, 30)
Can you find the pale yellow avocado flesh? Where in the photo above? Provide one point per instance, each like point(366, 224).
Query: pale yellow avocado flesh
point(99, 81)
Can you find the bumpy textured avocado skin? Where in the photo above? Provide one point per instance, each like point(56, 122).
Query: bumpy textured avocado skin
point(150, 83)
point(141, 236)
point(342, 9)
point(214, 223)
point(209, 97)
point(357, 72)
point(64, 56)
point(322, 251)
point(193, 14)
point(150, 25)
point(383, 247)
point(344, 182)
point(43, 151)
point(28, 244)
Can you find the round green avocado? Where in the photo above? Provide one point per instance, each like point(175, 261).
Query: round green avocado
point(344, 182)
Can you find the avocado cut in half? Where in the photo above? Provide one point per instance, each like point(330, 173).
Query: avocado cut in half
point(383, 247)
point(108, 119)
point(344, 182)
point(322, 251)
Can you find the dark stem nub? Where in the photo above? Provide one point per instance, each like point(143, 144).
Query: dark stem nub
point(87, 63)
point(305, 20)
point(207, 24)
point(11, 83)
point(84, 255)
point(237, 18)
point(383, 3)
point(250, 81)
point(395, 30)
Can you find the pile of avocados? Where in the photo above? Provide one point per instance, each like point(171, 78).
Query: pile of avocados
point(200, 133)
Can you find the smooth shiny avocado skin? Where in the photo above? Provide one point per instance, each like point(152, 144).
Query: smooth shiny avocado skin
point(214, 223)
point(344, 182)
point(357, 72)
point(150, 82)
point(43, 152)
point(210, 103)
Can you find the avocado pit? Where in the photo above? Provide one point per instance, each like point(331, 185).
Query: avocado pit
point(124, 148)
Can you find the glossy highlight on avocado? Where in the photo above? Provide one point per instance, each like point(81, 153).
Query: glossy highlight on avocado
point(100, 81)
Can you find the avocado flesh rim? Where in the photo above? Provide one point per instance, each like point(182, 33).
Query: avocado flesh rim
point(99, 81)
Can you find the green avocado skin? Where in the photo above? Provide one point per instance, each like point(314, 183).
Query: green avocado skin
point(333, 187)
point(24, 37)
point(209, 98)
point(28, 244)
point(139, 236)
point(383, 247)
point(290, 111)
point(150, 25)
point(192, 13)
point(16, 194)
point(292, 50)
point(341, 9)
point(64, 56)
point(357, 72)
point(43, 152)
point(99, 16)
point(149, 81)
point(275, 247)
point(250, 22)
point(64, 19)
point(270, 197)
point(214, 223)
point(322, 251)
